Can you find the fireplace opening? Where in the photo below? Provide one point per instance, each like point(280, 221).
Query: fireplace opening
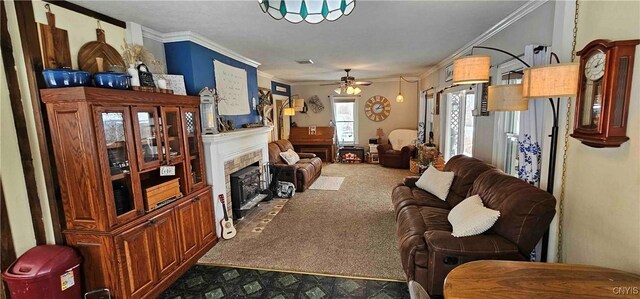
point(246, 188)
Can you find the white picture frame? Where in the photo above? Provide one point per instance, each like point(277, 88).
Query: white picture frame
point(174, 82)
point(448, 73)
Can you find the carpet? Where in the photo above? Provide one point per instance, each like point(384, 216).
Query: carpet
point(224, 282)
point(348, 232)
point(327, 183)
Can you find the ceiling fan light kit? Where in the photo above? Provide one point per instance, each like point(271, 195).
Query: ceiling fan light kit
point(310, 11)
point(349, 85)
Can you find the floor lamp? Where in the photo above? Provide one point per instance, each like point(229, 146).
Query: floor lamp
point(551, 81)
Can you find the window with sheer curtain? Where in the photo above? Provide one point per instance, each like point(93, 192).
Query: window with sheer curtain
point(346, 121)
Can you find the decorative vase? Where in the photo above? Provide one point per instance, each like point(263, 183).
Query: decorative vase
point(133, 72)
point(162, 83)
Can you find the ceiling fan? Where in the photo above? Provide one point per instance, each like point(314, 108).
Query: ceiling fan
point(349, 85)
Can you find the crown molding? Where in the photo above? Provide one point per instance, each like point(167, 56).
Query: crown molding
point(265, 75)
point(180, 36)
point(513, 17)
point(272, 77)
point(375, 80)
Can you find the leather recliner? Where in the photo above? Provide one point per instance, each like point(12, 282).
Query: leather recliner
point(303, 173)
point(404, 149)
point(428, 250)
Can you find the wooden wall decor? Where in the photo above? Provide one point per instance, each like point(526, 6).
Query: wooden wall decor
point(20, 123)
point(34, 65)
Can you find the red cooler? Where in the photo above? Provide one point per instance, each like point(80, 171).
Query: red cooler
point(48, 271)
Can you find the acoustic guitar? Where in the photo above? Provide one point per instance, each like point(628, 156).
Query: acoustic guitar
point(228, 231)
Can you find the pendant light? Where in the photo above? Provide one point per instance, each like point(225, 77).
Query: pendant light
point(400, 98)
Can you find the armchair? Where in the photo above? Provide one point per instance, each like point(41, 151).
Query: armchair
point(400, 149)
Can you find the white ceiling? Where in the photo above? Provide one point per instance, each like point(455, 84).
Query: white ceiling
point(379, 39)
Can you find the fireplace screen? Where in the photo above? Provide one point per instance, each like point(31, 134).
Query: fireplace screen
point(245, 190)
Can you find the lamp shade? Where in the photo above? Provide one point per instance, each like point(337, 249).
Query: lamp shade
point(471, 69)
point(400, 98)
point(289, 111)
point(550, 81)
point(506, 98)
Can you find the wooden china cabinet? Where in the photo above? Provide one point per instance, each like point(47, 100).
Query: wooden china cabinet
point(109, 148)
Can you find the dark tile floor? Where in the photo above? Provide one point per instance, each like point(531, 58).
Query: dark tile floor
point(221, 282)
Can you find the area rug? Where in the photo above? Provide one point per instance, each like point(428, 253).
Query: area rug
point(327, 183)
point(349, 232)
point(224, 282)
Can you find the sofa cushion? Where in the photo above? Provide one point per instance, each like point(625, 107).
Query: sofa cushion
point(479, 246)
point(436, 182)
point(525, 211)
point(284, 145)
point(290, 157)
point(274, 153)
point(470, 217)
point(403, 196)
point(466, 170)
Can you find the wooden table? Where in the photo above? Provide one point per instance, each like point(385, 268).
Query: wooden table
point(507, 279)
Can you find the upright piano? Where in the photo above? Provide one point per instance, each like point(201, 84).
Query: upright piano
point(321, 142)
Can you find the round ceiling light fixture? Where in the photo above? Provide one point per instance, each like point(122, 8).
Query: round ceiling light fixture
point(311, 11)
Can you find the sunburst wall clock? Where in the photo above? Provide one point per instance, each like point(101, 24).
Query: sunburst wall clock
point(377, 108)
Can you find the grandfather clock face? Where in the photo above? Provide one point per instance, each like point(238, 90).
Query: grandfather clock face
point(377, 108)
point(591, 105)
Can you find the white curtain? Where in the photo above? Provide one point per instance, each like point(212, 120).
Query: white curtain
point(531, 133)
point(531, 125)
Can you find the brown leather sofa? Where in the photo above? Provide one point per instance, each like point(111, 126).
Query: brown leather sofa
point(301, 174)
point(427, 248)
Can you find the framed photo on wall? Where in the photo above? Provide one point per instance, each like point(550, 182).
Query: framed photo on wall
point(448, 73)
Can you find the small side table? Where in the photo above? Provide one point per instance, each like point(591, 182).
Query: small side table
point(414, 166)
point(373, 148)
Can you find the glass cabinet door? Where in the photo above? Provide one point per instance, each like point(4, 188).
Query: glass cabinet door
point(172, 131)
point(114, 137)
point(172, 128)
point(195, 163)
point(146, 129)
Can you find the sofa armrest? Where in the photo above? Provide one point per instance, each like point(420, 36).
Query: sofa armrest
point(478, 246)
point(409, 150)
point(410, 181)
point(286, 169)
point(384, 147)
point(306, 155)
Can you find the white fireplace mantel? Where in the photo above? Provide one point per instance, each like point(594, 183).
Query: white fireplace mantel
point(226, 146)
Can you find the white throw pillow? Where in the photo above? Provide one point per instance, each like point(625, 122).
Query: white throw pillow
point(290, 157)
point(470, 217)
point(435, 182)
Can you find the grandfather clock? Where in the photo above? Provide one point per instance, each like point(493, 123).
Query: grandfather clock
point(602, 106)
